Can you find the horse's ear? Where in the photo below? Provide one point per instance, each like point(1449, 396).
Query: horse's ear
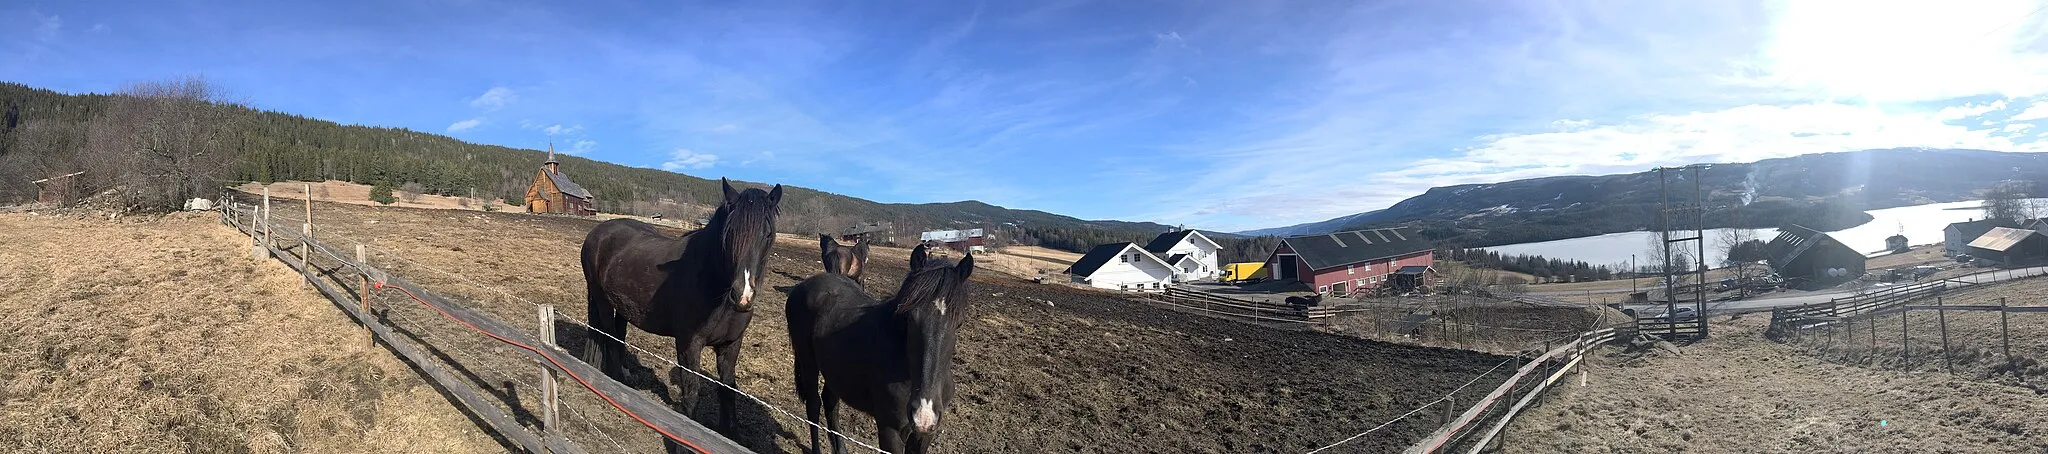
point(730, 194)
point(775, 195)
point(965, 268)
point(861, 250)
point(917, 258)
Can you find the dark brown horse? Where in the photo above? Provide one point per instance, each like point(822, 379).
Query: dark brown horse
point(698, 289)
point(847, 260)
point(890, 359)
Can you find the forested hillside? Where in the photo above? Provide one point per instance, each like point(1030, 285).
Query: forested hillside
point(47, 133)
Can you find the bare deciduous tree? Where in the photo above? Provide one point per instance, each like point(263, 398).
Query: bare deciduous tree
point(2011, 200)
point(162, 143)
point(411, 192)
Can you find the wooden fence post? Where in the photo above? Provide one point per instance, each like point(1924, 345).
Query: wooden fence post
point(547, 373)
point(363, 260)
point(1941, 309)
point(1905, 343)
point(266, 221)
point(2004, 331)
point(306, 253)
point(1873, 337)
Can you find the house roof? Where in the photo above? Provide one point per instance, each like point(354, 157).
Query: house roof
point(2002, 238)
point(1794, 240)
point(1176, 258)
point(1103, 253)
point(1345, 248)
point(1165, 241)
point(568, 187)
point(1977, 228)
point(1413, 269)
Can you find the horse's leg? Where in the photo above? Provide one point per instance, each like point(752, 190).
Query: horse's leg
point(728, 397)
point(889, 438)
point(597, 348)
point(807, 390)
point(832, 420)
point(687, 385)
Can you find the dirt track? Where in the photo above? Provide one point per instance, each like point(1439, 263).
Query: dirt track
point(1738, 392)
point(1041, 367)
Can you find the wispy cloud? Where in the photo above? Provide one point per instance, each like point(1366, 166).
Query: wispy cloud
point(47, 27)
point(562, 130)
point(582, 147)
point(494, 98)
point(684, 159)
point(465, 125)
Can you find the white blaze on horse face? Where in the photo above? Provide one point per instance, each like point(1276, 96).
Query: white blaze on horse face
point(925, 418)
point(940, 304)
point(747, 288)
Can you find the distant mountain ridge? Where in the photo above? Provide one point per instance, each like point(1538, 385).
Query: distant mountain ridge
point(1825, 191)
point(42, 133)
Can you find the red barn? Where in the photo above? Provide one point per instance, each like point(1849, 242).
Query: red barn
point(1345, 262)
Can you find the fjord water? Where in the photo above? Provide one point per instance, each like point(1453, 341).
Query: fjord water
point(1922, 224)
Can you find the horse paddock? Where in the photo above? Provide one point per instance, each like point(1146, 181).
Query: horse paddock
point(1038, 367)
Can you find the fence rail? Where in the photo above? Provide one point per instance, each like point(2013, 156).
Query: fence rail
point(1850, 324)
point(254, 220)
point(1469, 429)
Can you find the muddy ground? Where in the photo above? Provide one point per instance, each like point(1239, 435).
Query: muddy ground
point(1738, 392)
point(164, 335)
point(1041, 367)
point(1976, 348)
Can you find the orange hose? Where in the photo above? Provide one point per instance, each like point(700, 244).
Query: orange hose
point(558, 366)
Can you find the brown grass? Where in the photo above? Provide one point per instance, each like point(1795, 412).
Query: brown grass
point(359, 194)
point(163, 335)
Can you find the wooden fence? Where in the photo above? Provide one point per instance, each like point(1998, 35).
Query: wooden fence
point(298, 250)
point(1851, 323)
point(1245, 308)
point(1480, 426)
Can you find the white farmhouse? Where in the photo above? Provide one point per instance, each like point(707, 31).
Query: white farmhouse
point(1192, 254)
point(1122, 266)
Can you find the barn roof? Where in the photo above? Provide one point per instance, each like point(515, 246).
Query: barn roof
point(1101, 255)
point(2001, 238)
point(1345, 248)
point(568, 187)
point(1977, 228)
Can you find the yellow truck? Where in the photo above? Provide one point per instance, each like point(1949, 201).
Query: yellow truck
point(1243, 272)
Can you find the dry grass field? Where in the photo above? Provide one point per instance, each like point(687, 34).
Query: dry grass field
point(163, 335)
point(1737, 392)
point(359, 194)
point(1040, 367)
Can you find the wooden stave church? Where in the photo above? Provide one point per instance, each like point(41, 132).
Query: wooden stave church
point(553, 192)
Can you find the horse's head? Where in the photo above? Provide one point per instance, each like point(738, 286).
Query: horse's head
point(844, 260)
point(745, 223)
point(932, 304)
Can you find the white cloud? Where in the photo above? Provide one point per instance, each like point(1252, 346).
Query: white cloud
point(2037, 111)
point(725, 128)
point(96, 28)
point(581, 147)
point(494, 99)
point(465, 125)
point(562, 130)
point(1969, 110)
point(2017, 128)
point(685, 159)
point(47, 27)
point(1169, 39)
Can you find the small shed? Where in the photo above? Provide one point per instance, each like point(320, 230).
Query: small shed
point(1812, 259)
point(57, 189)
point(1897, 243)
point(1956, 237)
point(552, 192)
point(867, 231)
point(2011, 247)
point(1122, 266)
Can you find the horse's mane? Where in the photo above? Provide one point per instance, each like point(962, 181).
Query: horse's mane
point(753, 201)
point(924, 284)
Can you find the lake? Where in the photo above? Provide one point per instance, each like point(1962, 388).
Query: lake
point(1922, 224)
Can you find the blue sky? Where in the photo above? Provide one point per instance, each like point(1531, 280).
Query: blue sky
point(1220, 115)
